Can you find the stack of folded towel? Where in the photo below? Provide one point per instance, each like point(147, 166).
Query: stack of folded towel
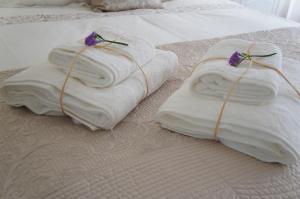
point(259, 86)
point(104, 86)
point(261, 118)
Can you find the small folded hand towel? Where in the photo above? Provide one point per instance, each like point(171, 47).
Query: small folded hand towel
point(102, 68)
point(269, 132)
point(214, 78)
point(39, 88)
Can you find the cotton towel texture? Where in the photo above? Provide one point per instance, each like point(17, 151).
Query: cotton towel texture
point(260, 85)
point(268, 132)
point(39, 87)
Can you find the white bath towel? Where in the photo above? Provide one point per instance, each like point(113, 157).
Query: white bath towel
point(38, 88)
point(102, 68)
point(268, 132)
point(258, 86)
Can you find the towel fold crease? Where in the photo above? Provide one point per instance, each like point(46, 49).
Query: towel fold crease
point(38, 88)
point(215, 77)
point(98, 67)
point(268, 132)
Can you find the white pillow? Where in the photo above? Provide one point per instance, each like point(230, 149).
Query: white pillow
point(22, 3)
point(118, 5)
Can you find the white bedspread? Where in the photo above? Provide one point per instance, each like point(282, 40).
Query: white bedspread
point(26, 39)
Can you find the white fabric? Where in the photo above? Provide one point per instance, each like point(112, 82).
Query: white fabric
point(38, 39)
point(101, 68)
point(290, 9)
point(69, 9)
point(294, 11)
point(81, 8)
point(20, 3)
point(268, 132)
point(118, 5)
point(38, 88)
point(259, 85)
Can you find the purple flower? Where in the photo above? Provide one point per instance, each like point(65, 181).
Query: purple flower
point(94, 38)
point(235, 59)
point(91, 40)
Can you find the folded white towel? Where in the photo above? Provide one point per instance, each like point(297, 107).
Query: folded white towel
point(268, 132)
point(259, 85)
point(38, 88)
point(102, 68)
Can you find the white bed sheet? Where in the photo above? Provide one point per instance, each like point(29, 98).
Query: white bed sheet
point(26, 44)
point(72, 8)
point(82, 8)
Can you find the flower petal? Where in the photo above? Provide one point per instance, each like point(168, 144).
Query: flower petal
point(235, 59)
point(91, 39)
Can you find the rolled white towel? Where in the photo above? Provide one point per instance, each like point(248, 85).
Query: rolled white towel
point(259, 85)
point(268, 132)
point(102, 68)
point(38, 88)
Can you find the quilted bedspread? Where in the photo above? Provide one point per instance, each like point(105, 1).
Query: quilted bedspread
point(50, 157)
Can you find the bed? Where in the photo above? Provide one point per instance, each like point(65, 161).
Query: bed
point(41, 29)
point(50, 157)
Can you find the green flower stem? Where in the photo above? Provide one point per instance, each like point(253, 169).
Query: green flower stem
point(116, 42)
point(246, 56)
point(269, 55)
point(109, 41)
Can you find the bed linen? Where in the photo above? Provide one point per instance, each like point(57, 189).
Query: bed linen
point(24, 3)
point(198, 20)
point(80, 8)
point(47, 157)
point(117, 5)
